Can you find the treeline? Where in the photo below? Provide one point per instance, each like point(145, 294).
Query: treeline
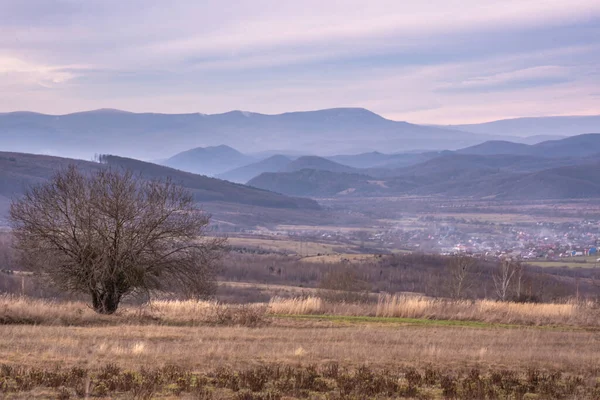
point(427, 274)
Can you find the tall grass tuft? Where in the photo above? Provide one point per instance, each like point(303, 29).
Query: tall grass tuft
point(296, 306)
point(410, 306)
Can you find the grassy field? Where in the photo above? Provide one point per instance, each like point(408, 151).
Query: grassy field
point(300, 348)
point(287, 246)
point(337, 258)
point(571, 262)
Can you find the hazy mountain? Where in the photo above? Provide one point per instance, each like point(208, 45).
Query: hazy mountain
point(244, 174)
point(379, 160)
point(537, 138)
point(454, 175)
point(575, 146)
point(574, 182)
point(316, 163)
point(18, 171)
point(497, 147)
point(156, 136)
point(363, 160)
point(561, 126)
point(208, 160)
point(310, 182)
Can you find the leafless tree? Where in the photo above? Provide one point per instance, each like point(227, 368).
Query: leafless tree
point(520, 271)
point(502, 278)
point(344, 284)
point(109, 234)
point(462, 272)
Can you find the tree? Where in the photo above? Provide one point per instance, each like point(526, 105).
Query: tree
point(520, 272)
point(462, 271)
point(344, 284)
point(109, 234)
point(503, 276)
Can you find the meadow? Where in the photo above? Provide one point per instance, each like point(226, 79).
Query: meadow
point(398, 347)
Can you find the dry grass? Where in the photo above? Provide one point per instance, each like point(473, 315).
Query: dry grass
point(203, 348)
point(296, 306)
point(24, 310)
point(276, 382)
point(202, 337)
point(338, 258)
point(288, 245)
point(402, 306)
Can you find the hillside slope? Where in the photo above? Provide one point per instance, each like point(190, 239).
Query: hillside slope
point(574, 182)
point(208, 160)
point(245, 173)
point(455, 175)
point(18, 171)
point(316, 163)
point(314, 183)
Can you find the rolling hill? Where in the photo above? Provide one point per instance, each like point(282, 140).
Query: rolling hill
point(18, 171)
point(453, 175)
point(245, 173)
point(156, 136)
point(313, 183)
point(282, 164)
point(573, 182)
point(208, 160)
point(574, 146)
point(381, 160)
point(316, 163)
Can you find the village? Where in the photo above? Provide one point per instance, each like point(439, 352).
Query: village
point(549, 241)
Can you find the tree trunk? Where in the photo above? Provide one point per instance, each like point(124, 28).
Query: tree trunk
point(105, 302)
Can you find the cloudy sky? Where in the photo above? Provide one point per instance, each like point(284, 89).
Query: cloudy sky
point(436, 61)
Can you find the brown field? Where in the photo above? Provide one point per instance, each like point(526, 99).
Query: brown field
point(326, 228)
point(513, 218)
point(408, 344)
point(571, 262)
point(204, 348)
point(287, 246)
point(337, 258)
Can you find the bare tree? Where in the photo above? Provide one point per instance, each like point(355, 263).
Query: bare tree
point(519, 276)
point(462, 270)
point(344, 284)
point(109, 234)
point(502, 278)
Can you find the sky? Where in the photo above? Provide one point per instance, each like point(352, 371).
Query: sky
point(434, 62)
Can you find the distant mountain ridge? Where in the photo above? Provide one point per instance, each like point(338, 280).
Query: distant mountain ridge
point(157, 136)
point(574, 146)
point(530, 126)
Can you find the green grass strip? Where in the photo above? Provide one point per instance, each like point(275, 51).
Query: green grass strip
point(398, 320)
point(428, 322)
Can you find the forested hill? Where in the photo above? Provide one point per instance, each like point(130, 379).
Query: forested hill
point(20, 170)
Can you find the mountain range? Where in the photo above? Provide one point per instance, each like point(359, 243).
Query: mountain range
point(558, 169)
point(324, 132)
